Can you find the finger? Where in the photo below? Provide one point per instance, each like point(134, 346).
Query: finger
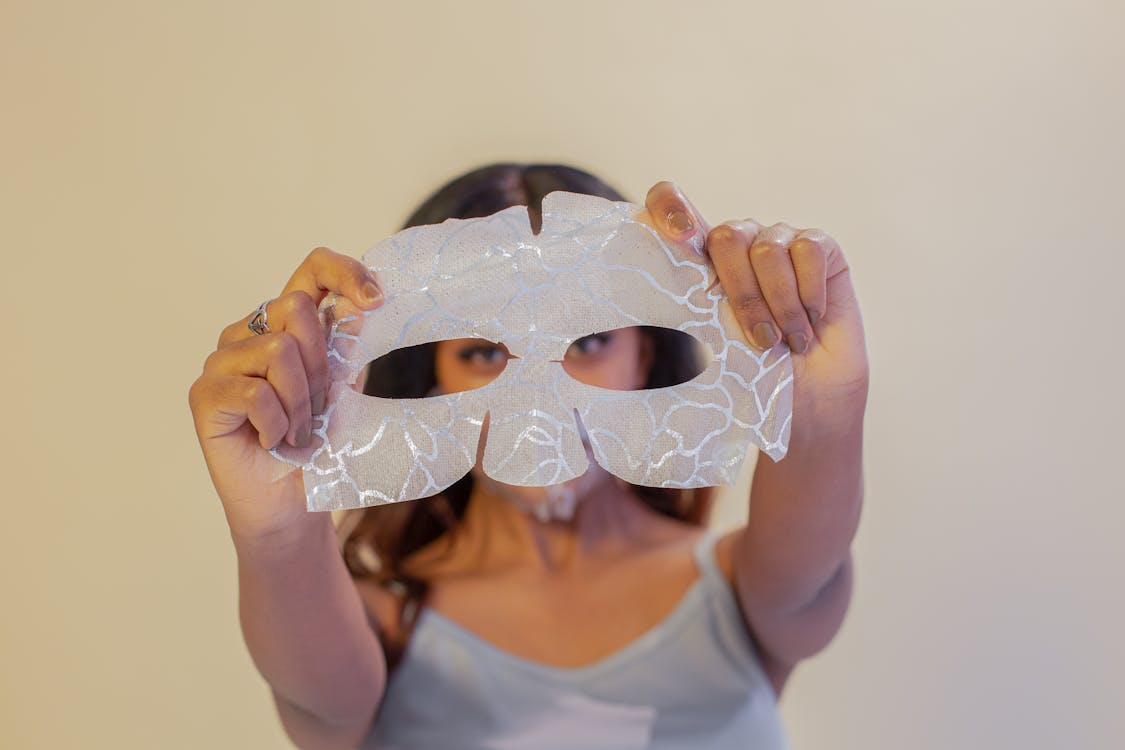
point(224, 403)
point(240, 329)
point(769, 257)
point(729, 247)
point(275, 358)
point(673, 215)
point(295, 314)
point(810, 266)
point(325, 271)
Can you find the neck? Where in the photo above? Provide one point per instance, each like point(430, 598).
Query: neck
point(501, 529)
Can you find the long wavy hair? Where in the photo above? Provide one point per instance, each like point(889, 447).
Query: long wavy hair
point(377, 541)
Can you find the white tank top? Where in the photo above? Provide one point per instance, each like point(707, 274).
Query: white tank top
point(692, 681)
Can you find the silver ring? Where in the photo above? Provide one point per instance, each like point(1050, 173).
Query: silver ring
point(259, 321)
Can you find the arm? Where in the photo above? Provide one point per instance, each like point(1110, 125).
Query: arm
point(792, 561)
point(302, 617)
point(791, 564)
point(308, 634)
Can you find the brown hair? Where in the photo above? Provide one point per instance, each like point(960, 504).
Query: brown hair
point(377, 540)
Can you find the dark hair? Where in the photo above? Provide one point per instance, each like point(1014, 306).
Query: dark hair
point(377, 543)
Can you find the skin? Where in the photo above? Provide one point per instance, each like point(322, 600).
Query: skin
point(517, 582)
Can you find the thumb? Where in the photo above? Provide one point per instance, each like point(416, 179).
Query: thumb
point(673, 215)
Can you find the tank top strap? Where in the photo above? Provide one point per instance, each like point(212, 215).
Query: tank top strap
point(705, 560)
point(728, 625)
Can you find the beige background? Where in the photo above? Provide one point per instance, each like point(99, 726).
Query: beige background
point(164, 166)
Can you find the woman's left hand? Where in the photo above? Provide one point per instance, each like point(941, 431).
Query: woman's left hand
point(784, 284)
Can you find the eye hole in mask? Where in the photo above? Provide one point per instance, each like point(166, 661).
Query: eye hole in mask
point(597, 359)
point(402, 372)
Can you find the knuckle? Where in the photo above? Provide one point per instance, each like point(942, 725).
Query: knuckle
point(777, 234)
point(258, 392)
point(748, 303)
point(725, 238)
point(295, 302)
point(792, 319)
point(766, 248)
point(280, 345)
point(318, 256)
point(228, 334)
point(254, 390)
point(195, 394)
point(750, 228)
point(806, 246)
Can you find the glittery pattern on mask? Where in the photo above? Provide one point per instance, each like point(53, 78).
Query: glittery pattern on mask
point(593, 267)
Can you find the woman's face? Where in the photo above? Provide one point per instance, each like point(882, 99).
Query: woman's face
point(616, 360)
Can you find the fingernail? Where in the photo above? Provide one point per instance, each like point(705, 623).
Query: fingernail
point(798, 343)
point(371, 292)
point(318, 400)
point(679, 222)
point(813, 317)
point(304, 434)
point(765, 335)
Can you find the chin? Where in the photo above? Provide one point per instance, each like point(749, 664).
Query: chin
point(556, 502)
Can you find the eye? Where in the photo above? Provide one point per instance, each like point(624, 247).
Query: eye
point(467, 364)
point(436, 368)
point(637, 358)
point(588, 345)
point(485, 356)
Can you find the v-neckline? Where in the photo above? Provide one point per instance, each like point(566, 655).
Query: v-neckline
point(643, 643)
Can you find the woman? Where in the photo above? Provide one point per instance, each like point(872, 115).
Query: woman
point(504, 622)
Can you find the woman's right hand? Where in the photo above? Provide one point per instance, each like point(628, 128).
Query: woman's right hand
point(257, 390)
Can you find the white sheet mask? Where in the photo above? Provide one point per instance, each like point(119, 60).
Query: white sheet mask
point(592, 268)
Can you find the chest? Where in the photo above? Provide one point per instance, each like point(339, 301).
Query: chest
point(567, 622)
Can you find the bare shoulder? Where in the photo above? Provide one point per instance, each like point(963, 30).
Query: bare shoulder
point(777, 671)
